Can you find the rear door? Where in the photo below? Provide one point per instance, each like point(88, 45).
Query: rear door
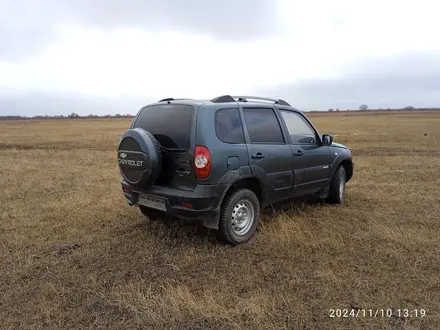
point(270, 157)
point(311, 158)
point(172, 125)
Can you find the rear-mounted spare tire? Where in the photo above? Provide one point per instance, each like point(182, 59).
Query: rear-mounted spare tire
point(139, 158)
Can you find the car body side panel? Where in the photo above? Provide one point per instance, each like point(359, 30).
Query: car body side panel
point(276, 169)
point(226, 157)
point(311, 161)
point(314, 165)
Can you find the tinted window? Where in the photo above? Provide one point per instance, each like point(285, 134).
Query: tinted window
point(169, 123)
point(228, 126)
point(263, 126)
point(299, 129)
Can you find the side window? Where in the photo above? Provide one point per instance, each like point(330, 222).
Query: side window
point(299, 130)
point(228, 126)
point(263, 126)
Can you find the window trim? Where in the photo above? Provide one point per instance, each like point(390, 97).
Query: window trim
point(248, 137)
point(307, 122)
point(241, 124)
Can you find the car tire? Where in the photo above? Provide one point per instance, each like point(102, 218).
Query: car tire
point(239, 216)
point(337, 187)
point(152, 214)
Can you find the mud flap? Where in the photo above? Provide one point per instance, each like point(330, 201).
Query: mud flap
point(212, 222)
point(324, 193)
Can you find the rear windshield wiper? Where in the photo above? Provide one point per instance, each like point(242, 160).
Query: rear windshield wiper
point(172, 149)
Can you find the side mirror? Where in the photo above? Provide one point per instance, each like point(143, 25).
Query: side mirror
point(327, 140)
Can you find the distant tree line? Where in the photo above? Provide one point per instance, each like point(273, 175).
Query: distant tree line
point(73, 115)
point(364, 107)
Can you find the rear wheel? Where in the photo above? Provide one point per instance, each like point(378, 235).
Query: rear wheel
point(239, 218)
point(337, 187)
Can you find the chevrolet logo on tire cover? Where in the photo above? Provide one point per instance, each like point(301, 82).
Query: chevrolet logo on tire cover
point(130, 162)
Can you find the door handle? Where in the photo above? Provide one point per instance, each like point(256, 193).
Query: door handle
point(298, 153)
point(258, 155)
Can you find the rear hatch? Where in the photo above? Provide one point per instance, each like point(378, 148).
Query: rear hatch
point(172, 125)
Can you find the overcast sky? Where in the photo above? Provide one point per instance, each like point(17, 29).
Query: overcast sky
point(99, 56)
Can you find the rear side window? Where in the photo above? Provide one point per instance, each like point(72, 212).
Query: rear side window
point(169, 123)
point(263, 126)
point(228, 126)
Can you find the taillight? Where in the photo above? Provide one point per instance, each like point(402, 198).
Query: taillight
point(126, 190)
point(202, 162)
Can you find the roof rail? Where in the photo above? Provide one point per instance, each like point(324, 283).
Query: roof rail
point(229, 98)
point(246, 98)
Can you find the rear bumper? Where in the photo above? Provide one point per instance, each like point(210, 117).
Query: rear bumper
point(202, 203)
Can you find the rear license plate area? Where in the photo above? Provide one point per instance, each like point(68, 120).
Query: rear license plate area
point(152, 201)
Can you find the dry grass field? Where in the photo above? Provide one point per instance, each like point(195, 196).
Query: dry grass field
point(74, 255)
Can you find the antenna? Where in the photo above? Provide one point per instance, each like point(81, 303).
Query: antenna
point(223, 99)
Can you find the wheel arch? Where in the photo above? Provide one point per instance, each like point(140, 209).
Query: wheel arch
point(346, 161)
point(252, 183)
point(348, 167)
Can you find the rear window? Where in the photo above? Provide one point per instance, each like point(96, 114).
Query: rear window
point(169, 123)
point(228, 126)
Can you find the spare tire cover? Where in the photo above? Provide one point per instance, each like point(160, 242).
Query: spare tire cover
point(139, 157)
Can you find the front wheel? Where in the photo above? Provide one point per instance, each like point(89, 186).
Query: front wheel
point(239, 218)
point(337, 187)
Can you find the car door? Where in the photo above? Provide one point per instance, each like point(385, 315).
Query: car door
point(311, 158)
point(270, 156)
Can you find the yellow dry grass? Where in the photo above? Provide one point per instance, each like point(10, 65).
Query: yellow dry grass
point(60, 184)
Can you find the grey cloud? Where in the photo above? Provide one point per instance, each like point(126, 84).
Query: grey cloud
point(22, 29)
point(225, 19)
point(28, 26)
point(33, 103)
point(20, 42)
point(399, 81)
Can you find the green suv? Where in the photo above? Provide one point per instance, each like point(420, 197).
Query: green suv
point(222, 160)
